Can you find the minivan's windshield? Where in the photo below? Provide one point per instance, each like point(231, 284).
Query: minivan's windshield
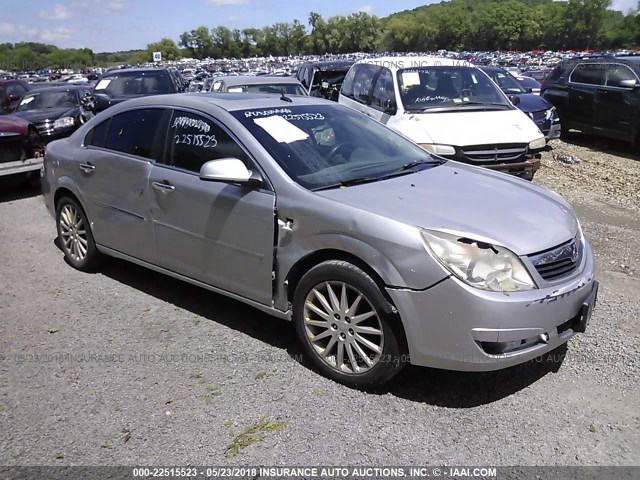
point(450, 87)
point(327, 146)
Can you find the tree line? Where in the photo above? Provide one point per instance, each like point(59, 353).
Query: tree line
point(453, 25)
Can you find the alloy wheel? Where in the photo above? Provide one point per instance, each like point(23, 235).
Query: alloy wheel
point(343, 327)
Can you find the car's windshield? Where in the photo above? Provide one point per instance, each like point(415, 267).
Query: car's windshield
point(134, 83)
point(275, 88)
point(44, 100)
point(424, 88)
point(507, 82)
point(320, 146)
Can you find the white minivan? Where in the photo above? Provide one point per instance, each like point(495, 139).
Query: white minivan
point(449, 107)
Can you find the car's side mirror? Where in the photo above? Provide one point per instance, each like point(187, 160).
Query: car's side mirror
point(390, 106)
point(628, 83)
point(529, 90)
point(515, 99)
point(97, 103)
point(13, 97)
point(229, 170)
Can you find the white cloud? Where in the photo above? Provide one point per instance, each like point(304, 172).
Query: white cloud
point(223, 3)
point(59, 12)
point(55, 35)
point(108, 7)
point(7, 28)
point(365, 9)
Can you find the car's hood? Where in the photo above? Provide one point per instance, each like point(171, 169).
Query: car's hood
point(11, 124)
point(532, 103)
point(469, 200)
point(51, 114)
point(467, 127)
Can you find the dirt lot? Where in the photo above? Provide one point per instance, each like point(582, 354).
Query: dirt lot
point(126, 366)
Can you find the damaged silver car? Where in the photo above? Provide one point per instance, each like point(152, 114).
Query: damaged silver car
point(379, 252)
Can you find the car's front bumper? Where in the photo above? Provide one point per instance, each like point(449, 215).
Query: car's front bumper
point(454, 326)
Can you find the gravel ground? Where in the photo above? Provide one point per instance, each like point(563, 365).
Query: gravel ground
point(128, 367)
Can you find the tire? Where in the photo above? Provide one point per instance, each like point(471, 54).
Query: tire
point(75, 236)
point(360, 350)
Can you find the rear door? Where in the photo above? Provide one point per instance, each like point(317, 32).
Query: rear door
point(113, 178)
point(584, 82)
point(219, 233)
point(616, 106)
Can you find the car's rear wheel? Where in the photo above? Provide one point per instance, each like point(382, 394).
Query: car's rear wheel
point(74, 234)
point(346, 325)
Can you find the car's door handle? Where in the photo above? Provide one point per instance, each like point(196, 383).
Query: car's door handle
point(602, 91)
point(87, 167)
point(164, 186)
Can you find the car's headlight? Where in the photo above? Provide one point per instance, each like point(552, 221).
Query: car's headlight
point(479, 264)
point(537, 144)
point(438, 149)
point(551, 113)
point(64, 122)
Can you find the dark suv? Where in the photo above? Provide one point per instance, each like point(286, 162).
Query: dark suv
point(118, 85)
point(599, 96)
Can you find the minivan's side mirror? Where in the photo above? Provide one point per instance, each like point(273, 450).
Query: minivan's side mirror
point(628, 84)
point(390, 106)
point(515, 99)
point(229, 170)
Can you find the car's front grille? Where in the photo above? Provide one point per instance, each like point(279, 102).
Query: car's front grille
point(538, 116)
point(44, 128)
point(497, 153)
point(559, 261)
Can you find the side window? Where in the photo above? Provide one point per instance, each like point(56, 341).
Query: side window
point(194, 140)
point(616, 73)
point(96, 135)
point(347, 83)
point(589, 73)
point(362, 82)
point(137, 132)
point(383, 90)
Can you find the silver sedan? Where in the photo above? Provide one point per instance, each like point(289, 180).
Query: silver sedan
point(380, 253)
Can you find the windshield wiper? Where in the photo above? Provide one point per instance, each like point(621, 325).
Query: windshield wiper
point(418, 163)
point(405, 169)
point(348, 183)
point(462, 104)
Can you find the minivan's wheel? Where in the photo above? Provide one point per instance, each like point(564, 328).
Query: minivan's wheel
point(346, 326)
point(74, 234)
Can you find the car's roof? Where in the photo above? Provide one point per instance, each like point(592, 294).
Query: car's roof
point(331, 64)
point(231, 80)
point(60, 88)
point(398, 63)
point(227, 101)
point(134, 70)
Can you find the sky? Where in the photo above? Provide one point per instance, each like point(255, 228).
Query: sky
point(112, 25)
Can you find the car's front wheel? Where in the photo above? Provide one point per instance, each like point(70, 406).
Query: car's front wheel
point(74, 234)
point(346, 325)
